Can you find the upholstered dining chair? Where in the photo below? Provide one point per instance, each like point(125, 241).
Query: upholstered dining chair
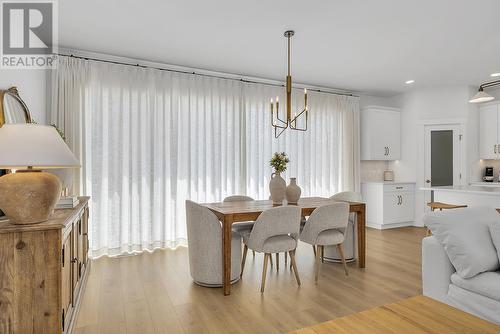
point(240, 198)
point(205, 247)
point(326, 226)
point(243, 226)
point(276, 230)
point(350, 250)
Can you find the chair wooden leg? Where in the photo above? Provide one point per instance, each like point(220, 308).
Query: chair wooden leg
point(253, 252)
point(317, 264)
point(286, 259)
point(277, 261)
point(243, 260)
point(271, 260)
point(267, 256)
point(294, 266)
point(314, 250)
point(322, 253)
point(341, 252)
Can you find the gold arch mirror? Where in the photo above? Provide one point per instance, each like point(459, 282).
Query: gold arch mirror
point(12, 108)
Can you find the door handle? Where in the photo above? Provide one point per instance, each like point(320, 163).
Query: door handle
point(401, 201)
point(388, 150)
point(495, 148)
point(427, 181)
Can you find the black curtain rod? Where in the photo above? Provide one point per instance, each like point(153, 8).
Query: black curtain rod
point(200, 74)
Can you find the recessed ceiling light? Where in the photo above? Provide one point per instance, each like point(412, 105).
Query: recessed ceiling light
point(495, 74)
point(409, 82)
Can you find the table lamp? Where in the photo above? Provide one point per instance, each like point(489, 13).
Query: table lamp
point(29, 195)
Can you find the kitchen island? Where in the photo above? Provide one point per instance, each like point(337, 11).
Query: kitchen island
point(471, 195)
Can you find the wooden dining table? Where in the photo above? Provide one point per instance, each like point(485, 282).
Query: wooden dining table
point(233, 212)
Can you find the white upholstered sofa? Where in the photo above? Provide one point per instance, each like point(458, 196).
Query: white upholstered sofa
point(460, 262)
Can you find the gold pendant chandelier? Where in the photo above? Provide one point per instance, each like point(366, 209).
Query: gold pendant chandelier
point(289, 122)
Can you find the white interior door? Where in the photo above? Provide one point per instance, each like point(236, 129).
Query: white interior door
point(443, 155)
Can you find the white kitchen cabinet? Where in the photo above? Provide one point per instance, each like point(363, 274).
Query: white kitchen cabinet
point(489, 134)
point(380, 133)
point(389, 204)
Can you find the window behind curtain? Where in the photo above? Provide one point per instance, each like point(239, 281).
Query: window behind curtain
point(153, 139)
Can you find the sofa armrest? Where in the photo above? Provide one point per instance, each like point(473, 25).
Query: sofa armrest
point(436, 269)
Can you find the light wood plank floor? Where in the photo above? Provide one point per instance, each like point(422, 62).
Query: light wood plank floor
point(154, 293)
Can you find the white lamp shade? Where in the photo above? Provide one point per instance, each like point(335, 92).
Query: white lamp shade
point(481, 96)
point(33, 145)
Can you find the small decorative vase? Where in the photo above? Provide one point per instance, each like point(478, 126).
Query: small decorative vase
point(277, 187)
point(293, 191)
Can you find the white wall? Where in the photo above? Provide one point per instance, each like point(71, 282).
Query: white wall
point(434, 104)
point(32, 89)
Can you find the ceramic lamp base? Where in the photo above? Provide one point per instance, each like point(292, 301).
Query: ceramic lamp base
point(29, 197)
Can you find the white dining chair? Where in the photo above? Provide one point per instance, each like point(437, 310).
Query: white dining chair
point(326, 226)
point(204, 232)
point(350, 250)
point(242, 226)
point(237, 227)
point(275, 231)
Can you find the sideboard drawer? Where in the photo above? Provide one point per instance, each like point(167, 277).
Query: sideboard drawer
point(399, 187)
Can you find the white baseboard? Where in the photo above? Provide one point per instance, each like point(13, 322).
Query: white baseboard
point(388, 226)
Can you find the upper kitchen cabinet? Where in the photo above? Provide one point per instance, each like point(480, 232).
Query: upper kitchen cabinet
point(489, 136)
point(380, 133)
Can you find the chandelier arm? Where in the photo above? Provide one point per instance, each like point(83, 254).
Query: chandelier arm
point(279, 126)
point(279, 119)
point(294, 121)
point(276, 134)
point(298, 115)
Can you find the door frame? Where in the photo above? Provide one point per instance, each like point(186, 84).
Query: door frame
point(444, 124)
point(457, 154)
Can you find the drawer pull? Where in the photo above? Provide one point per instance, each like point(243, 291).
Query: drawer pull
point(399, 187)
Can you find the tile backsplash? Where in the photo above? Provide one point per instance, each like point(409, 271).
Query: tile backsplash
point(478, 175)
point(374, 170)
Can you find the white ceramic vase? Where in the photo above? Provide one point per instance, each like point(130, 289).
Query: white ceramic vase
point(277, 187)
point(293, 191)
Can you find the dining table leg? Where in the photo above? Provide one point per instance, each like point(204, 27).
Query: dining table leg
point(226, 254)
point(361, 221)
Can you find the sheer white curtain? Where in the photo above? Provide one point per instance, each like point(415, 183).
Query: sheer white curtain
point(150, 139)
point(324, 159)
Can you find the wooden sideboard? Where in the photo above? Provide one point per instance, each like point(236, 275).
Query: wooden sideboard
point(43, 269)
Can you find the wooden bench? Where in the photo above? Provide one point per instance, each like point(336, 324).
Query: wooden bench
point(440, 206)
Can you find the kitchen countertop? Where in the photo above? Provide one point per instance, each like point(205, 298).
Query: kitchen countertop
point(485, 184)
point(480, 190)
point(387, 182)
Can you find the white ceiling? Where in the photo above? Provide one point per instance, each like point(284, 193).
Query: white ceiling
point(366, 46)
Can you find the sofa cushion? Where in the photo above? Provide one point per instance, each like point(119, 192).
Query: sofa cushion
point(495, 236)
point(466, 238)
point(486, 284)
point(471, 302)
